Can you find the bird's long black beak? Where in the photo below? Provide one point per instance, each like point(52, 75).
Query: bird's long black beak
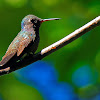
point(43, 20)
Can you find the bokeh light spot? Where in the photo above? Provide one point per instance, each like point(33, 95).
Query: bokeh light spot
point(50, 2)
point(16, 3)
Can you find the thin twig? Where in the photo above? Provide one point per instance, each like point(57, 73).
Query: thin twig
point(57, 45)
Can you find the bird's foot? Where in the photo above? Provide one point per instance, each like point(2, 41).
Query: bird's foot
point(6, 70)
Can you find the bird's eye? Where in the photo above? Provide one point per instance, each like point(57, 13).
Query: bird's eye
point(32, 20)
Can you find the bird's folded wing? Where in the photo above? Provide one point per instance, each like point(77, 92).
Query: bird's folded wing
point(6, 58)
point(10, 52)
point(23, 44)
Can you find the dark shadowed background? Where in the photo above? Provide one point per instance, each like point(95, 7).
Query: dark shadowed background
point(71, 73)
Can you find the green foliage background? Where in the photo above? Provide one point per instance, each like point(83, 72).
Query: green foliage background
point(83, 51)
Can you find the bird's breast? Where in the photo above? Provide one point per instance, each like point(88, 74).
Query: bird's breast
point(35, 43)
point(34, 37)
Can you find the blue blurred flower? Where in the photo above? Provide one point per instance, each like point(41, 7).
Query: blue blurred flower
point(40, 73)
point(43, 76)
point(61, 91)
point(97, 97)
point(83, 76)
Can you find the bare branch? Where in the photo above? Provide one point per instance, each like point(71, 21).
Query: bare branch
point(57, 45)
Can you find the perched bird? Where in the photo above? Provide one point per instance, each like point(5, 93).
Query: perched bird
point(25, 43)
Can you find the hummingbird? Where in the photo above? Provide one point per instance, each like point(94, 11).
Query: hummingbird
point(25, 43)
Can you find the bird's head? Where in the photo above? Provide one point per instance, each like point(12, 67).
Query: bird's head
point(34, 21)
